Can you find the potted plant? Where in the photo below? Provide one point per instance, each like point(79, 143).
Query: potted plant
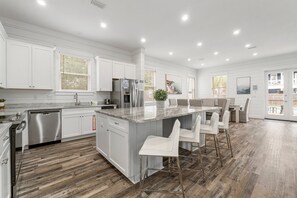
point(160, 96)
point(2, 103)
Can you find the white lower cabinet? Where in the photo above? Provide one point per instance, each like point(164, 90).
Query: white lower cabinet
point(5, 185)
point(77, 122)
point(112, 141)
point(118, 149)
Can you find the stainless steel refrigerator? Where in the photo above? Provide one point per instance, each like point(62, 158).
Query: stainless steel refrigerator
point(127, 93)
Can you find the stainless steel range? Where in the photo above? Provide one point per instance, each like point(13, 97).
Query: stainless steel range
point(16, 147)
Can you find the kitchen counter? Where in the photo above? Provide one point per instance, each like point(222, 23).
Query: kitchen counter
point(152, 113)
point(12, 109)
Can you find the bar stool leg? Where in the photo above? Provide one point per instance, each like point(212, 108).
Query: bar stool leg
point(200, 159)
point(214, 139)
point(180, 176)
point(230, 143)
point(219, 152)
point(140, 175)
point(205, 143)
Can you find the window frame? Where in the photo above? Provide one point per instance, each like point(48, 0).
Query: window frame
point(194, 88)
point(212, 86)
point(155, 85)
point(59, 89)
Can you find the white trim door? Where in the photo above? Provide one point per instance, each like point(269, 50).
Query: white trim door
point(281, 94)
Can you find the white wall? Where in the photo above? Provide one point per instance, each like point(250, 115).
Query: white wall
point(255, 69)
point(163, 67)
point(42, 36)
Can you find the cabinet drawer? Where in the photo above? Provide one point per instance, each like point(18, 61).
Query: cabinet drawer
point(122, 125)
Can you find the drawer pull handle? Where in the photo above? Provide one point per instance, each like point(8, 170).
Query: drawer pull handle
point(116, 123)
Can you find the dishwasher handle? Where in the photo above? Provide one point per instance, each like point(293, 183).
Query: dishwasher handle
point(45, 112)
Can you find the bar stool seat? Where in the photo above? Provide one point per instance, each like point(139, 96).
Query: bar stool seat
point(157, 146)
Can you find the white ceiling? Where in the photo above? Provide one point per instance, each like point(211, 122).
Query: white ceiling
point(271, 25)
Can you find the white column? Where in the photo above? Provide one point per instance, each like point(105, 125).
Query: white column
point(138, 58)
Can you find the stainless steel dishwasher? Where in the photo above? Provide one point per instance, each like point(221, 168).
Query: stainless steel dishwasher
point(44, 126)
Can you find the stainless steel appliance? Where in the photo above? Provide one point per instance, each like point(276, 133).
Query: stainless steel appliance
point(127, 93)
point(16, 147)
point(44, 126)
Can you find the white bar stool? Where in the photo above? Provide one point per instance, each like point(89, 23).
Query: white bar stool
point(213, 129)
point(161, 147)
point(224, 125)
point(193, 137)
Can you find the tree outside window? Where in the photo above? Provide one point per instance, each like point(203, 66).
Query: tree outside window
point(219, 86)
point(149, 85)
point(74, 72)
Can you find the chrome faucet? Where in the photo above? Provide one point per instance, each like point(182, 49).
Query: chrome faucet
point(77, 102)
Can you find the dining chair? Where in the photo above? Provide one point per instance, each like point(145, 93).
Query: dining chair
point(172, 101)
point(208, 102)
point(195, 102)
point(244, 114)
point(182, 102)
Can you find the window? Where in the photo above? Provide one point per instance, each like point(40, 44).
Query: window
point(149, 85)
point(74, 72)
point(219, 86)
point(191, 87)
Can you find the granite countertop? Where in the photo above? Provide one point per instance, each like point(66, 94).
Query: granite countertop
point(12, 109)
point(152, 113)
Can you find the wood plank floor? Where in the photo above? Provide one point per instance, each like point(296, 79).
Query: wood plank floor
point(264, 165)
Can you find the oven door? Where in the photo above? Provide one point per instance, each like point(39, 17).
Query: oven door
point(16, 154)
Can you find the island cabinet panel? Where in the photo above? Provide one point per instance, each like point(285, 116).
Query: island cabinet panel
point(112, 141)
point(118, 149)
point(102, 136)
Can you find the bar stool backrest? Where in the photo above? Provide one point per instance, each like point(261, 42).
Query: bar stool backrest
point(174, 137)
point(226, 118)
point(196, 129)
point(214, 122)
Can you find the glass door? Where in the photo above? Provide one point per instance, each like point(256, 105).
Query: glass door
point(281, 95)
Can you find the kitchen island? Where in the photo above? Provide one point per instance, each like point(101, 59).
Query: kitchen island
point(121, 132)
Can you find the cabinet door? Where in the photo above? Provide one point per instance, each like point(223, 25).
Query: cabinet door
point(130, 71)
point(118, 70)
point(18, 65)
point(71, 126)
point(118, 150)
point(2, 61)
point(105, 75)
point(88, 123)
point(5, 173)
point(42, 67)
point(102, 136)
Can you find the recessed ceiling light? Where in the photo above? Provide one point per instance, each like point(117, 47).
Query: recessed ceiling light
point(215, 53)
point(103, 25)
point(227, 59)
point(199, 44)
point(41, 2)
point(143, 40)
point(202, 64)
point(236, 32)
point(247, 45)
point(189, 59)
point(185, 17)
point(255, 54)
point(170, 53)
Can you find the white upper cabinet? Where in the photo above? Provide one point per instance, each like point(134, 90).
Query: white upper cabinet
point(29, 66)
point(3, 37)
point(42, 67)
point(118, 70)
point(18, 65)
point(130, 71)
point(104, 75)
